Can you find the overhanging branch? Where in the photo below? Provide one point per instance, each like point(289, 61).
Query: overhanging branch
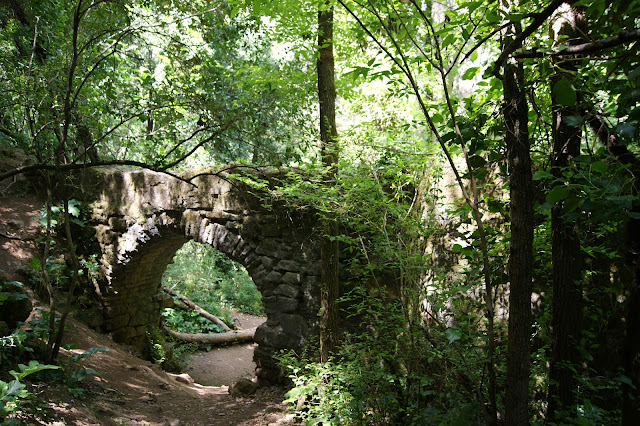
point(77, 166)
point(623, 37)
point(517, 42)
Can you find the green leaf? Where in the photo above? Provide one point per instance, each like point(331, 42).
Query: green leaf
point(565, 93)
point(627, 381)
point(471, 6)
point(35, 264)
point(600, 166)
point(476, 161)
point(626, 130)
point(572, 120)
point(470, 73)
point(452, 335)
point(557, 194)
point(634, 74)
point(542, 174)
point(449, 39)
point(571, 203)
point(33, 367)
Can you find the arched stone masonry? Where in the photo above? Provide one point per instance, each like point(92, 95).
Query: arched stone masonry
point(141, 218)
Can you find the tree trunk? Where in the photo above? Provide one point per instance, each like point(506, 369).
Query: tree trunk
point(566, 259)
point(521, 247)
point(214, 339)
point(214, 319)
point(631, 350)
point(328, 149)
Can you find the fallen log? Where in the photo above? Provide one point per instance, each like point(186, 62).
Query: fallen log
point(233, 336)
point(184, 299)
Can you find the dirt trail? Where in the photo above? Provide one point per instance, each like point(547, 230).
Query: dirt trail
point(130, 391)
point(223, 366)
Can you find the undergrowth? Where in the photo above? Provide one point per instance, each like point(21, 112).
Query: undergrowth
point(387, 374)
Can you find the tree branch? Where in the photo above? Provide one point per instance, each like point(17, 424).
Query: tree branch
point(75, 166)
point(194, 307)
point(623, 37)
point(517, 42)
point(233, 336)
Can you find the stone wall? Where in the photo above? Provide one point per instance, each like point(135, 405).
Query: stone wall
point(141, 218)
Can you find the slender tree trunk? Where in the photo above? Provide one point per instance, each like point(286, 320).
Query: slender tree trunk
point(75, 264)
point(521, 247)
point(631, 360)
point(329, 152)
point(566, 259)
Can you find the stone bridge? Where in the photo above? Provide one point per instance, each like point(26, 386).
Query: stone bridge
point(142, 218)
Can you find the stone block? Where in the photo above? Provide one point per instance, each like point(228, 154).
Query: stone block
point(313, 268)
point(140, 317)
point(268, 262)
point(270, 304)
point(287, 265)
point(229, 242)
point(268, 247)
point(293, 325)
point(257, 271)
point(252, 261)
point(274, 277)
point(271, 336)
point(287, 291)
point(272, 321)
point(270, 230)
point(287, 304)
point(117, 322)
point(291, 278)
point(124, 335)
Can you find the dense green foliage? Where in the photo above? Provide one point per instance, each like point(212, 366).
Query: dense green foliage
point(214, 282)
point(169, 83)
point(424, 197)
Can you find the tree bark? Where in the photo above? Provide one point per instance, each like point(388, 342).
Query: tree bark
point(516, 119)
point(329, 249)
point(631, 350)
point(234, 336)
point(214, 319)
point(566, 259)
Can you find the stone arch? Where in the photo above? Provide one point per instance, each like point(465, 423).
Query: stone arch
point(142, 218)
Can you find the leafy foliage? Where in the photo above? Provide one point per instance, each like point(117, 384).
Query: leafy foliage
point(11, 392)
point(214, 282)
point(390, 375)
point(421, 199)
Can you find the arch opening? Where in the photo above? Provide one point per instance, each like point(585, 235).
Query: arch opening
point(223, 288)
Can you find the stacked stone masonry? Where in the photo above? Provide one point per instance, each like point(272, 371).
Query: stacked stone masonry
point(142, 218)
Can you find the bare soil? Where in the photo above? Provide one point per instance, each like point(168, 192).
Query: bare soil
point(127, 389)
point(223, 366)
point(131, 391)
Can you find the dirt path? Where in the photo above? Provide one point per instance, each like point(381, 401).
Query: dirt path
point(130, 391)
point(223, 366)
